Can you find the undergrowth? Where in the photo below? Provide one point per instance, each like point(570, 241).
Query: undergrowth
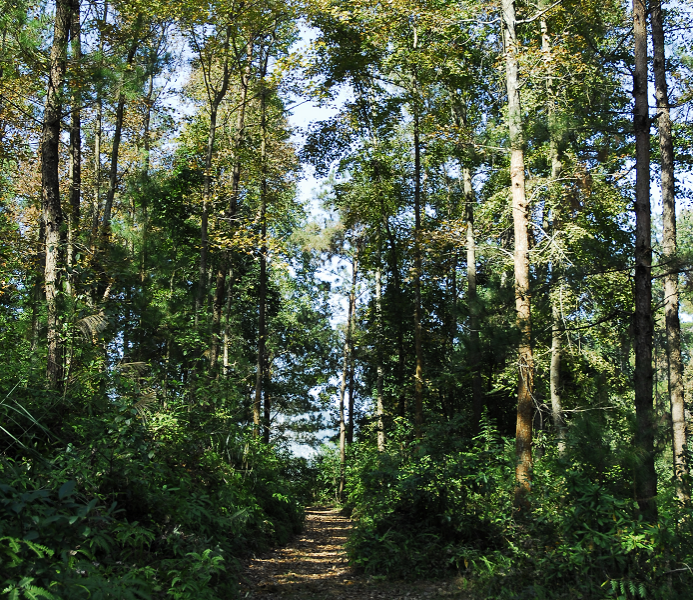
point(140, 504)
point(443, 506)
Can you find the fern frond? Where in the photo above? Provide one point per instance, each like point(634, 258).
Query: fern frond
point(92, 325)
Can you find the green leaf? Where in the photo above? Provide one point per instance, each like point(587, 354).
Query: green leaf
point(66, 488)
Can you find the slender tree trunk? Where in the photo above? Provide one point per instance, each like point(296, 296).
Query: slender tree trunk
point(418, 271)
point(380, 406)
point(342, 419)
point(227, 332)
point(75, 146)
point(350, 338)
point(556, 329)
point(204, 223)
point(394, 269)
point(115, 151)
point(261, 374)
point(645, 475)
point(215, 97)
point(50, 184)
point(98, 133)
point(669, 251)
point(217, 308)
point(520, 210)
point(217, 338)
point(472, 300)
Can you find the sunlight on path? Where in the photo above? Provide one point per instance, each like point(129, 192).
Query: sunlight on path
point(315, 566)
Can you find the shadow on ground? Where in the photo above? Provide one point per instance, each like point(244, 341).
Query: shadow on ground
point(315, 566)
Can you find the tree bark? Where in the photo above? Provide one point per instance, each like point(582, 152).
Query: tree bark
point(217, 308)
point(350, 339)
point(472, 300)
point(556, 329)
point(645, 475)
point(380, 376)
point(669, 251)
point(342, 420)
point(261, 374)
point(115, 151)
point(50, 186)
point(215, 97)
point(418, 270)
point(520, 210)
point(75, 145)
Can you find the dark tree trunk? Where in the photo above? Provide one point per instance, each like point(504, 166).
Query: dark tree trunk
point(75, 144)
point(115, 151)
point(50, 185)
point(418, 272)
point(645, 475)
point(350, 339)
point(380, 405)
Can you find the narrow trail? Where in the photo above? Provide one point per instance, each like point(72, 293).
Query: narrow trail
point(315, 566)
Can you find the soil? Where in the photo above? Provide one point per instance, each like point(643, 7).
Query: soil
point(315, 566)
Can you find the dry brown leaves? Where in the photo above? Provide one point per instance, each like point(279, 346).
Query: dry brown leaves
point(315, 566)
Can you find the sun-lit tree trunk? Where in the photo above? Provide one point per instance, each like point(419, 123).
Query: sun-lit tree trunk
point(75, 169)
point(472, 299)
point(520, 213)
point(669, 251)
point(645, 475)
point(50, 186)
point(556, 328)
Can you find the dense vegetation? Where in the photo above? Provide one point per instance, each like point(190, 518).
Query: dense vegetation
point(510, 377)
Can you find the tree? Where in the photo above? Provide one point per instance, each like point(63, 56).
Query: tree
point(645, 476)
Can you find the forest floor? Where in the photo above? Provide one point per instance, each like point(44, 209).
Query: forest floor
point(314, 565)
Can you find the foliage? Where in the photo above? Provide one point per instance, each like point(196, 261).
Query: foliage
point(444, 505)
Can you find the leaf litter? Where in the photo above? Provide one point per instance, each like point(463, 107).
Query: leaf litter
point(315, 565)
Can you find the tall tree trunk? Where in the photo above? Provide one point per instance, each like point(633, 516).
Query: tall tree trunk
point(232, 215)
point(380, 406)
point(669, 251)
point(418, 271)
point(520, 210)
point(75, 145)
point(645, 475)
point(117, 135)
point(472, 300)
point(261, 374)
point(215, 96)
point(350, 338)
point(556, 329)
point(98, 134)
point(50, 185)
point(342, 419)
point(394, 269)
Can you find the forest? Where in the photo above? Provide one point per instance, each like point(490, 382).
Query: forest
point(427, 262)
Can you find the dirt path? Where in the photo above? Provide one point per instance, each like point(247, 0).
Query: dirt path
point(315, 566)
